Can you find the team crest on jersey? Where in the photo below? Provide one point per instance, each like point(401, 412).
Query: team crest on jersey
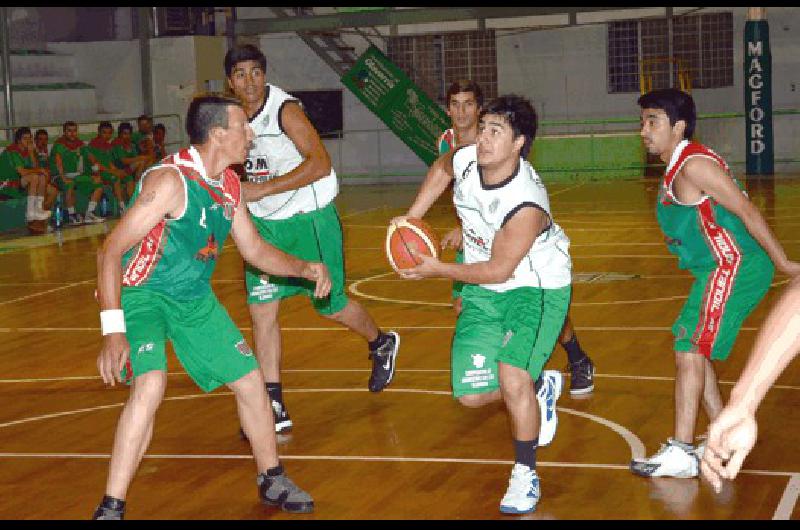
point(208, 252)
point(493, 206)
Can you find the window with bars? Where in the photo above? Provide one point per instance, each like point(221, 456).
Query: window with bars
point(700, 46)
point(433, 62)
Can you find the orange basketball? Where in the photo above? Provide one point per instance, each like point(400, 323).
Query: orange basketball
point(406, 235)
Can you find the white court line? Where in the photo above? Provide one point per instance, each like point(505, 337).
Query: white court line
point(34, 295)
point(788, 500)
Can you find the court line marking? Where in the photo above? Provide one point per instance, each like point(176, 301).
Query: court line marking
point(634, 443)
point(788, 499)
point(26, 297)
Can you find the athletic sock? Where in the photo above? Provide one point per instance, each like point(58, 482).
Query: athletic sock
point(574, 352)
point(31, 206)
point(91, 207)
point(537, 385)
point(40, 203)
point(112, 503)
point(274, 471)
point(378, 342)
point(275, 392)
point(525, 452)
point(71, 210)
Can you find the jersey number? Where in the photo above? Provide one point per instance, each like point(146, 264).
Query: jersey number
point(203, 218)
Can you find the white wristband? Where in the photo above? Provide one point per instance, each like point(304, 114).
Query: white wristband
point(112, 321)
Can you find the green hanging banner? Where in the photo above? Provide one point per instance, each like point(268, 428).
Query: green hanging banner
point(398, 102)
point(758, 98)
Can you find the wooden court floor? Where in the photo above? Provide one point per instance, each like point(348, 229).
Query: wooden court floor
point(410, 452)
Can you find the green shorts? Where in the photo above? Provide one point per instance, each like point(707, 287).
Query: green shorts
point(83, 183)
point(518, 327)
point(110, 178)
point(206, 341)
point(719, 301)
point(458, 286)
point(306, 236)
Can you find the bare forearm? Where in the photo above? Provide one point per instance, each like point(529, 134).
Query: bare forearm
point(777, 344)
point(309, 171)
point(485, 272)
point(433, 186)
point(109, 280)
point(759, 229)
point(274, 261)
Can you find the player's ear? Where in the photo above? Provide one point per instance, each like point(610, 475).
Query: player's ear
point(519, 142)
point(679, 128)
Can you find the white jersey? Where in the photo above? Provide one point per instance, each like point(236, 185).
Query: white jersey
point(274, 154)
point(483, 210)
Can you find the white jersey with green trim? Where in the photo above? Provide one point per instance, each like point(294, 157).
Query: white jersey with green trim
point(274, 154)
point(483, 210)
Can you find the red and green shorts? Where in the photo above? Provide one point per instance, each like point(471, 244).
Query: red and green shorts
point(719, 301)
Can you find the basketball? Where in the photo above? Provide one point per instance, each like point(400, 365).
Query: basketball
point(407, 235)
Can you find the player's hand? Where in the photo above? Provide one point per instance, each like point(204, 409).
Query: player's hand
point(397, 220)
point(427, 268)
point(790, 268)
point(113, 356)
point(731, 437)
point(453, 239)
point(318, 273)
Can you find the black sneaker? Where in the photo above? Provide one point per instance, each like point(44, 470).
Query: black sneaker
point(281, 491)
point(110, 510)
point(283, 423)
point(582, 379)
point(383, 362)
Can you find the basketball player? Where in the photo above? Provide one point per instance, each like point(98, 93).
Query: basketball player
point(517, 283)
point(733, 433)
point(161, 256)
point(464, 100)
point(723, 240)
point(290, 196)
point(69, 162)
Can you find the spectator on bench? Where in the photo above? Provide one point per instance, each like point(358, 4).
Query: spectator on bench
point(100, 153)
point(159, 141)
point(70, 167)
point(19, 169)
point(127, 157)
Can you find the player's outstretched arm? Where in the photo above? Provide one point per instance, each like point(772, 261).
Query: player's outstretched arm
point(316, 161)
point(162, 195)
point(733, 433)
point(709, 177)
point(436, 180)
point(271, 260)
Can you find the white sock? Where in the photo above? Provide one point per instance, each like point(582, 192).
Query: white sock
point(71, 210)
point(91, 207)
point(40, 203)
point(31, 206)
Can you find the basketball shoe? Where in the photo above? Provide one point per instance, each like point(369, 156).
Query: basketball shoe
point(279, 490)
point(523, 491)
point(673, 459)
point(383, 362)
point(110, 510)
point(581, 380)
point(548, 394)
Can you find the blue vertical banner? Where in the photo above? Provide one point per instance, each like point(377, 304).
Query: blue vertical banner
point(758, 98)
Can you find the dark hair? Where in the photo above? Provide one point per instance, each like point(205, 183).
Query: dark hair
point(19, 133)
point(104, 125)
point(206, 112)
point(160, 127)
point(68, 124)
point(41, 131)
point(520, 115)
point(245, 52)
point(144, 117)
point(678, 105)
point(464, 85)
point(124, 126)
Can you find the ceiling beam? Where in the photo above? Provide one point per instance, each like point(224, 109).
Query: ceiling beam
point(391, 17)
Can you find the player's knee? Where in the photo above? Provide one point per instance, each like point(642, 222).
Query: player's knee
point(472, 401)
point(148, 389)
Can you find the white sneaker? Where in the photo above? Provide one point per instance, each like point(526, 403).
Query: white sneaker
point(523, 491)
point(39, 215)
point(92, 218)
point(552, 381)
point(671, 460)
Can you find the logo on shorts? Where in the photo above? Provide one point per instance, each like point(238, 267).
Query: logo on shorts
point(146, 347)
point(264, 290)
point(478, 360)
point(244, 348)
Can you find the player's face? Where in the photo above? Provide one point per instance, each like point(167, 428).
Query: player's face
point(125, 136)
point(26, 140)
point(496, 142)
point(71, 132)
point(657, 134)
point(106, 133)
point(159, 135)
point(248, 82)
point(41, 141)
point(463, 109)
point(145, 126)
point(238, 135)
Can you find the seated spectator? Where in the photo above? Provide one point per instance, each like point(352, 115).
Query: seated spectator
point(144, 125)
point(71, 169)
point(19, 169)
point(41, 142)
point(100, 153)
point(127, 157)
point(159, 141)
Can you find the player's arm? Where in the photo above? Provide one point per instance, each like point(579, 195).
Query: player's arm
point(709, 177)
point(162, 196)
point(316, 161)
point(732, 435)
point(59, 164)
point(510, 245)
point(271, 260)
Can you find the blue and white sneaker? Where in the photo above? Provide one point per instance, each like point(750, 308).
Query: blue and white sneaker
point(552, 382)
point(523, 492)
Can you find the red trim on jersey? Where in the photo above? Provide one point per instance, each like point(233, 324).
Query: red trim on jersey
point(691, 149)
point(720, 286)
point(146, 257)
point(448, 136)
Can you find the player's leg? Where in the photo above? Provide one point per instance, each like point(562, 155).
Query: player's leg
point(580, 365)
point(94, 198)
